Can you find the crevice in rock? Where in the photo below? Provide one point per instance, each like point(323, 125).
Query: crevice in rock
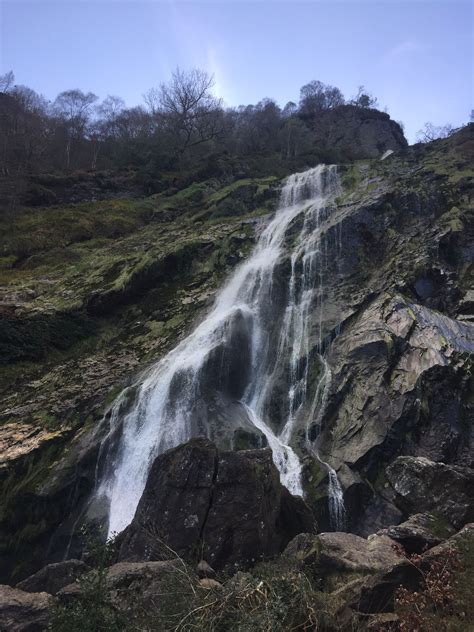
point(211, 498)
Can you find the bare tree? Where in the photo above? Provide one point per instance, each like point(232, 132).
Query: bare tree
point(188, 108)
point(364, 99)
point(74, 107)
point(432, 132)
point(6, 81)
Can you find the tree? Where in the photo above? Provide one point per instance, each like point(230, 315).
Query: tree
point(432, 132)
point(188, 108)
point(316, 96)
point(6, 81)
point(364, 99)
point(74, 108)
point(109, 111)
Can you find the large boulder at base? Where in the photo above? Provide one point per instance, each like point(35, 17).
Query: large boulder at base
point(229, 505)
point(344, 552)
point(420, 532)
point(23, 611)
point(423, 485)
point(53, 577)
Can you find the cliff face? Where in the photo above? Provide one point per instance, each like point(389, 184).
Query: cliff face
point(94, 293)
point(358, 133)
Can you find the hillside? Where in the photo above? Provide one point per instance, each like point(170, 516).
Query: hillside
point(98, 284)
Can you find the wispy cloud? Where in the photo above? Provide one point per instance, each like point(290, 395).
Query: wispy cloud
point(403, 49)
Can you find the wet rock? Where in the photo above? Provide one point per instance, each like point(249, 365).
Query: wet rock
point(420, 532)
point(22, 611)
point(53, 577)
point(423, 485)
point(231, 504)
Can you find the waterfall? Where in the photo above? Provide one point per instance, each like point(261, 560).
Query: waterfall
point(254, 346)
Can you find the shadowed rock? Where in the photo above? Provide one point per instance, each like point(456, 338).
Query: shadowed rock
point(53, 577)
point(423, 485)
point(230, 505)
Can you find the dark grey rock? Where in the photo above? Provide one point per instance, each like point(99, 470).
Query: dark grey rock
point(230, 505)
point(53, 577)
point(423, 485)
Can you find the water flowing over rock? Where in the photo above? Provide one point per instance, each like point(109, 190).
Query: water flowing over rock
point(253, 348)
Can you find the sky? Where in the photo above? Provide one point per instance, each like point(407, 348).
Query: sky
point(415, 56)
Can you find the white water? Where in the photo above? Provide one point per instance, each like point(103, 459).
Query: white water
point(173, 394)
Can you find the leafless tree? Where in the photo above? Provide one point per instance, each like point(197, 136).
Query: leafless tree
point(74, 107)
point(432, 132)
point(186, 104)
point(364, 99)
point(7, 81)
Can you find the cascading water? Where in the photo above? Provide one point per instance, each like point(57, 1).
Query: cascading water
point(267, 334)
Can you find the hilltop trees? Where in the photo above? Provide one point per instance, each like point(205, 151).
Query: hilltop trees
point(182, 125)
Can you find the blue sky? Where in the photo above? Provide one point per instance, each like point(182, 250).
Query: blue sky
point(415, 56)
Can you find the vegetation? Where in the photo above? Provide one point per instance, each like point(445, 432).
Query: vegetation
point(180, 128)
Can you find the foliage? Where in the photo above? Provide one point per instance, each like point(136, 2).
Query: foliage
point(443, 602)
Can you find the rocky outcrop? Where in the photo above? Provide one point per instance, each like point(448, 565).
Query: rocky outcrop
point(422, 485)
point(23, 611)
point(230, 505)
point(356, 132)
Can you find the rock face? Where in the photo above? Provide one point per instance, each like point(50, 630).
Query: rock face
point(229, 504)
point(395, 307)
point(23, 611)
point(423, 485)
point(358, 132)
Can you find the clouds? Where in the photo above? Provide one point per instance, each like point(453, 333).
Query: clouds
point(403, 50)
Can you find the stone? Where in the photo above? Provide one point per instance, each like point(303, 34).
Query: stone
point(53, 577)
point(203, 569)
point(424, 485)
point(210, 584)
point(22, 611)
point(344, 552)
point(420, 532)
point(461, 542)
point(231, 505)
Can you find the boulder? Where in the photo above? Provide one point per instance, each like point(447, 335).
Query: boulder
point(229, 505)
point(461, 542)
point(53, 577)
point(203, 570)
point(376, 593)
point(345, 552)
point(424, 485)
point(22, 611)
point(420, 532)
point(145, 580)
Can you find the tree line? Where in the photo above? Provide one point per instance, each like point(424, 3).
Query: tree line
point(180, 124)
